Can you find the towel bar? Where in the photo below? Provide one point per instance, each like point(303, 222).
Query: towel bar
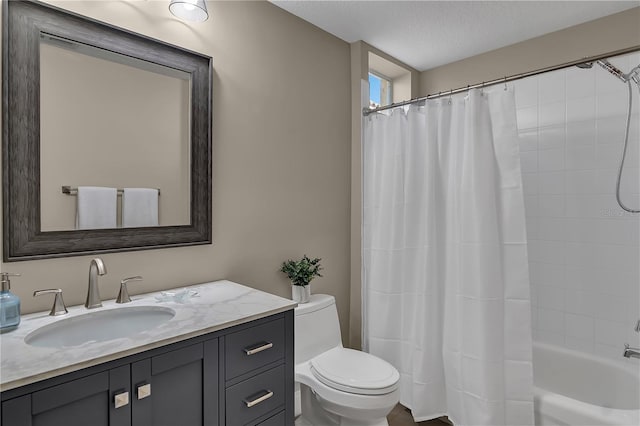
point(74, 191)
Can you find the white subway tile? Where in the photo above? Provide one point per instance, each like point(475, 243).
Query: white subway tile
point(608, 156)
point(551, 114)
point(580, 82)
point(550, 321)
point(613, 231)
point(580, 302)
point(553, 228)
point(611, 104)
point(630, 181)
point(529, 161)
point(551, 87)
point(581, 133)
point(548, 274)
point(551, 183)
point(526, 91)
point(581, 109)
point(611, 308)
point(551, 205)
point(616, 256)
point(611, 130)
point(581, 278)
point(551, 160)
point(554, 338)
point(547, 252)
point(617, 282)
point(528, 140)
point(580, 254)
point(527, 118)
point(551, 137)
point(551, 297)
point(606, 181)
point(609, 332)
point(580, 157)
point(580, 181)
point(579, 326)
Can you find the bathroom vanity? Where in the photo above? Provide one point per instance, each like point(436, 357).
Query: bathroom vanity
point(225, 357)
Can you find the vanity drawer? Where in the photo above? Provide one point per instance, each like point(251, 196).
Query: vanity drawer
point(254, 347)
point(277, 420)
point(255, 397)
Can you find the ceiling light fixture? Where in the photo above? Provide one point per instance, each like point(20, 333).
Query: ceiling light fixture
point(189, 10)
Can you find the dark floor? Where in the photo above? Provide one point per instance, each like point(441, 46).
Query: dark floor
point(401, 416)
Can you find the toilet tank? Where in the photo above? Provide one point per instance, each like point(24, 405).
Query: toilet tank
point(316, 327)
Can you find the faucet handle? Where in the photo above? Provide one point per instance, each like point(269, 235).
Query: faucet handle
point(637, 329)
point(123, 295)
point(58, 307)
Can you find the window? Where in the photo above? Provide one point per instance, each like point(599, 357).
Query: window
point(380, 90)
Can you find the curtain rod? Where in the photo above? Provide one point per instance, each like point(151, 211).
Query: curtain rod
point(504, 80)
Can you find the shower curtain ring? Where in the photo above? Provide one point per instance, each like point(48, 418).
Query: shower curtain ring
point(505, 83)
point(450, 93)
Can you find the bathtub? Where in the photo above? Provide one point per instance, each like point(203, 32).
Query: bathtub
point(572, 388)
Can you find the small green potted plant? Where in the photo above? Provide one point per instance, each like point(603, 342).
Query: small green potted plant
point(301, 272)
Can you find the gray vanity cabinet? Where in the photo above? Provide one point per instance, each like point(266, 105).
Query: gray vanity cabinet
point(81, 402)
point(176, 388)
point(240, 376)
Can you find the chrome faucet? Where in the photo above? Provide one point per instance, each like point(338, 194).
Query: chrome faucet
point(630, 352)
point(96, 267)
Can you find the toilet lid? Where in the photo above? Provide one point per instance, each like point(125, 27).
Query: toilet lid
point(355, 372)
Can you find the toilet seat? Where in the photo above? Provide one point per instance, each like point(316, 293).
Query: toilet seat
point(355, 372)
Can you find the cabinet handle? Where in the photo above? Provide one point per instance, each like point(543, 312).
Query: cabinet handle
point(144, 391)
point(259, 347)
point(264, 395)
point(121, 399)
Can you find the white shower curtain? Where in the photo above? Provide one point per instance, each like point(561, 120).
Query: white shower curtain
point(446, 283)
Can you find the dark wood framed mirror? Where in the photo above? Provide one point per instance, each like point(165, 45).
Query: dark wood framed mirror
point(25, 25)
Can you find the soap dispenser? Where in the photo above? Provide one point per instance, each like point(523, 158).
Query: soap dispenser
point(9, 304)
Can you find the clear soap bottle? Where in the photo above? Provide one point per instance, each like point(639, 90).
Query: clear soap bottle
point(9, 304)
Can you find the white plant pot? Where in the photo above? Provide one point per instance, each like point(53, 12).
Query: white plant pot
point(300, 293)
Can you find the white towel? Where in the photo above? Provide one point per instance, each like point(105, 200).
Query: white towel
point(139, 207)
point(97, 207)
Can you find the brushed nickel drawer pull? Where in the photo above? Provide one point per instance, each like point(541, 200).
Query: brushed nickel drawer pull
point(144, 391)
point(121, 399)
point(262, 346)
point(268, 394)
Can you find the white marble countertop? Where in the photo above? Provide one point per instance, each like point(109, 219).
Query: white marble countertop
point(218, 305)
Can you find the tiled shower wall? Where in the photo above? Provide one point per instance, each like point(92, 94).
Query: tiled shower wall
point(583, 249)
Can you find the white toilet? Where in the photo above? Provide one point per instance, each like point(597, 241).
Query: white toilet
point(334, 385)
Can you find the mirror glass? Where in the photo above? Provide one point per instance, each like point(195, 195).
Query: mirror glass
point(110, 120)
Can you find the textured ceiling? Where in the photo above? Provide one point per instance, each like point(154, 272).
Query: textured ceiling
point(426, 34)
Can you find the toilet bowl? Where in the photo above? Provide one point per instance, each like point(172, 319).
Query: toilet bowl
point(335, 385)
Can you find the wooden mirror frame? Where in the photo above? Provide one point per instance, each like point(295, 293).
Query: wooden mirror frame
point(23, 23)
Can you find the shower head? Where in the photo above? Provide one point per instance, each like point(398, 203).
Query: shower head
point(634, 74)
point(613, 70)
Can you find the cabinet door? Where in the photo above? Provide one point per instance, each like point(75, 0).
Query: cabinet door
point(178, 388)
point(81, 402)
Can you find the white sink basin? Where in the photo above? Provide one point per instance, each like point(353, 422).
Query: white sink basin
point(99, 326)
